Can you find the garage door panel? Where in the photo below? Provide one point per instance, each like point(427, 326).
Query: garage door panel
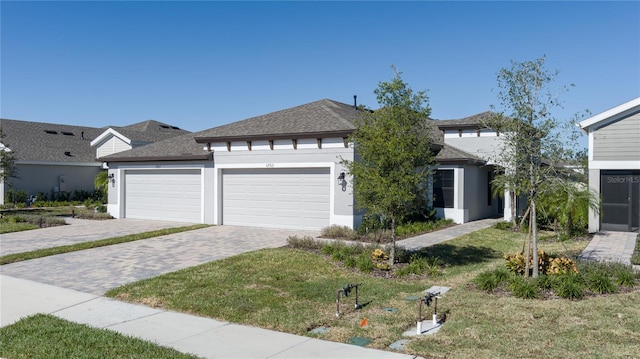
point(296, 198)
point(173, 195)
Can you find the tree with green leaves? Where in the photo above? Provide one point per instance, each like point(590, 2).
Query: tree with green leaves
point(8, 167)
point(393, 156)
point(538, 146)
point(101, 183)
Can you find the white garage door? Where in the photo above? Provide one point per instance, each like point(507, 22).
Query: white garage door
point(168, 195)
point(296, 198)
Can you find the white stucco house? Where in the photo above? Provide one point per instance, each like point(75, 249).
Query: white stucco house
point(283, 170)
point(614, 167)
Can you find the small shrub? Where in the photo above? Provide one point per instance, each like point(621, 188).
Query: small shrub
point(350, 262)
point(503, 225)
point(380, 259)
point(341, 253)
point(524, 287)
point(305, 242)
point(327, 249)
point(433, 266)
point(337, 231)
point(635, 258)
point(626, 278)
point(491, 279)
point(600, 282)
point(372, 223)
point(561, 265)
point(364, 263)
point(546, 264)
point(569, 286)
point(545, 282)
point(515, 263)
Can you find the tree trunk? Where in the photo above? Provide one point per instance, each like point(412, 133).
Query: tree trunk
point(392, 252)
point(527, 257)
point(514, 222)
point(534, 238)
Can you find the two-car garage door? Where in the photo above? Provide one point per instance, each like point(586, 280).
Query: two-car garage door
point(164, 194)
point(295, 198)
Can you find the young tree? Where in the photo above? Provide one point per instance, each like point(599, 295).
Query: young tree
point(538, 146)
point(7, 160)
point(392, 154)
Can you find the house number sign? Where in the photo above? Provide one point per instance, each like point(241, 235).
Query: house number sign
point(270, 165)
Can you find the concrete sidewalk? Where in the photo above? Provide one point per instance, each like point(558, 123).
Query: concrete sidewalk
point(443, 235)
point(203, 337)
point(608, 246)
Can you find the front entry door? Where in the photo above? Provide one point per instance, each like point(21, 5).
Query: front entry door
point(620, 192)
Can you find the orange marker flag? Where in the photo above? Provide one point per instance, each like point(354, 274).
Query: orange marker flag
point(364, 322)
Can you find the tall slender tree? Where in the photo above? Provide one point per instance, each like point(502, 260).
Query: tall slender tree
point(393, 153)
point(538, 145)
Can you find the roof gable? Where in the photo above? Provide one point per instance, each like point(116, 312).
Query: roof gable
point(106, 135)
point(604, 118)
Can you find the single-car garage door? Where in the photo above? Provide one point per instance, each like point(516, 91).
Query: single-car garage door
point(295, 198)
point(168, 195)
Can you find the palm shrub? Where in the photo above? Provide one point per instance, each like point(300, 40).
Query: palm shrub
point(565, 208)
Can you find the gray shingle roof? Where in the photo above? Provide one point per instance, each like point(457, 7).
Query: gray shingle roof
point(311, 119)
point(48, 142)
point(323, 116)
point(182, 147)
point(149, 131)
point(450, 154)
point(315, 117)
point(475, 121)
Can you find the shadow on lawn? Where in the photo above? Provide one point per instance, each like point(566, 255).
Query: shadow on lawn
point(455, 255)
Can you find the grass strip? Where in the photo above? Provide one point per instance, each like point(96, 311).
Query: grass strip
point(45, 336)
point(45, 252)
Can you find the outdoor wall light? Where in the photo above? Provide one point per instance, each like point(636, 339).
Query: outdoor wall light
point(112, 179)
point(342, 181)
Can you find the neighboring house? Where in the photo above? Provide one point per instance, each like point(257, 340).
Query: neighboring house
point(614, 167)
point(283, 170)
point(57, 160)
point(118, 139)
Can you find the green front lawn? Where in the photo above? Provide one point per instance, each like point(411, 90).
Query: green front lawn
point(45, 336)
point(294, 291)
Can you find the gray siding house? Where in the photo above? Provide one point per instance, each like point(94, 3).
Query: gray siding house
point(58, 159)
point(614, 167)
point(283, 170)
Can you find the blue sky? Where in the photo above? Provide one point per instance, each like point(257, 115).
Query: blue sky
point(198, 65)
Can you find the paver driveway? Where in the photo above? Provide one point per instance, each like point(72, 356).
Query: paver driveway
point(78, 230)
point(100, 269)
